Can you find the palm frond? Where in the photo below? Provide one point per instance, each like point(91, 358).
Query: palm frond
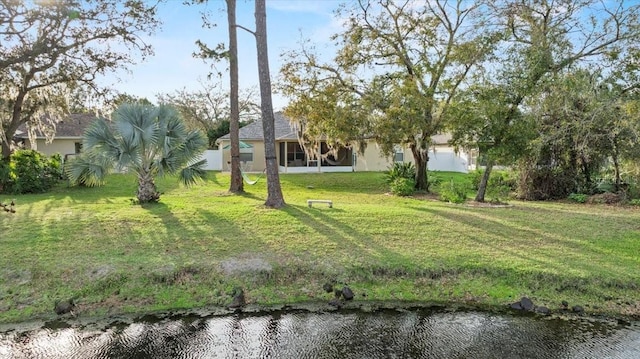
point(191, 174)
point(142, 139)
point(174, 128)
point(137, 124)
point(86, 170)
point(194, 144)
point(129, 155)
point(99, 135)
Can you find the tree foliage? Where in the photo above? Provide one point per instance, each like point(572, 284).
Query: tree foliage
point(29, 171)
point(208, 108)
point(542, 40)
point(148, 140)
point(585, 125)
point(398, 65)
point(47, 48)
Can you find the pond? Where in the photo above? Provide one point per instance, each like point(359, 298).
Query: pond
point(382, 334)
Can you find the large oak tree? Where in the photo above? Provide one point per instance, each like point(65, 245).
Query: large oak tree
point(47, 48)
point(398, 65)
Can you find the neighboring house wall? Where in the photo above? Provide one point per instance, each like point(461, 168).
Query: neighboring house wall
point(441, 158)
point(63, 146)
point(372, 159)
point(258, 163)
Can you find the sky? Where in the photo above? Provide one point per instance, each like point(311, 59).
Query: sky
point(173, 67)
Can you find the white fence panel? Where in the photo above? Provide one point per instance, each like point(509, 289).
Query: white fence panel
point(443, 160)
point(214, 160)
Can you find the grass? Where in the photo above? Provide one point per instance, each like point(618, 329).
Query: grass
point(191, 249)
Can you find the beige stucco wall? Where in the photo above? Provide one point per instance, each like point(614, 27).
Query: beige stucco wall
point(61, 146)
point(444, 158)
point(441, 157)
point(258, 164)
point(372, 159)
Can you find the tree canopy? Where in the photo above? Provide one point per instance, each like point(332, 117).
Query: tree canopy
point(397, 67)
point(48, 48)
point(208, 108)
point(404, 71)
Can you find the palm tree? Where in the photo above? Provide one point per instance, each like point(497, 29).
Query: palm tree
point(150, 141)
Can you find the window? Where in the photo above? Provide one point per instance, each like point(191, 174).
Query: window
point(295, 154)
point(398, 155)
point(78, 147)
point(246, 154)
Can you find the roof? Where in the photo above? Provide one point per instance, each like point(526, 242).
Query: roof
point(284, 129)
point(242, 145)
point(441, 139)
point(72, 126)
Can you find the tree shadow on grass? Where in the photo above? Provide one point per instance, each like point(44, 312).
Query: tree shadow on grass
point(350, 243)
point(203, 236)
point(517, 242)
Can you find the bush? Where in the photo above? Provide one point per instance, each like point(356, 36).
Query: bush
point(635, 202)
point(434, 180)
point(498, 194)
point(497, 179)
point(543, 183)
point(606, 186)
point(607, 198)
point(29, 171)
point(401, 170)
point(403, 186)
point(578, 197)
point(453, 192)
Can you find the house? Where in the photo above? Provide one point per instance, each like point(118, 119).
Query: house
point(67, 140)
point(292, 158)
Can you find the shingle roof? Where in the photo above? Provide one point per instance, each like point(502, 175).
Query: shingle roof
point(72, 126)
point(284, 129)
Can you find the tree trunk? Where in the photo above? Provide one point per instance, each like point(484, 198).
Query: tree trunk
point(275, 198)
point(11, 127)
point(482, 187)
point(6, 149)
point(147, 191)
point(421, 160)
point(616, 165)
point(237, 185)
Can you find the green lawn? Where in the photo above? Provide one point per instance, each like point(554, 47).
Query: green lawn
point(193, 247)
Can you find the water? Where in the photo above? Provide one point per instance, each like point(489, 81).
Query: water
point(389, 334)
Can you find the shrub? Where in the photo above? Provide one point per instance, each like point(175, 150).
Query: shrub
point(496, 179)
point(607, 198)
point(475, 177)
point(29, 171)
point(434, 180)
point(606, 186)
point(578, 197)
point(6, 176)
point(401, 170)
point(403, 186)
point(633, 190)
point(454, 192)
point(635, 202)
point(498, 194)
